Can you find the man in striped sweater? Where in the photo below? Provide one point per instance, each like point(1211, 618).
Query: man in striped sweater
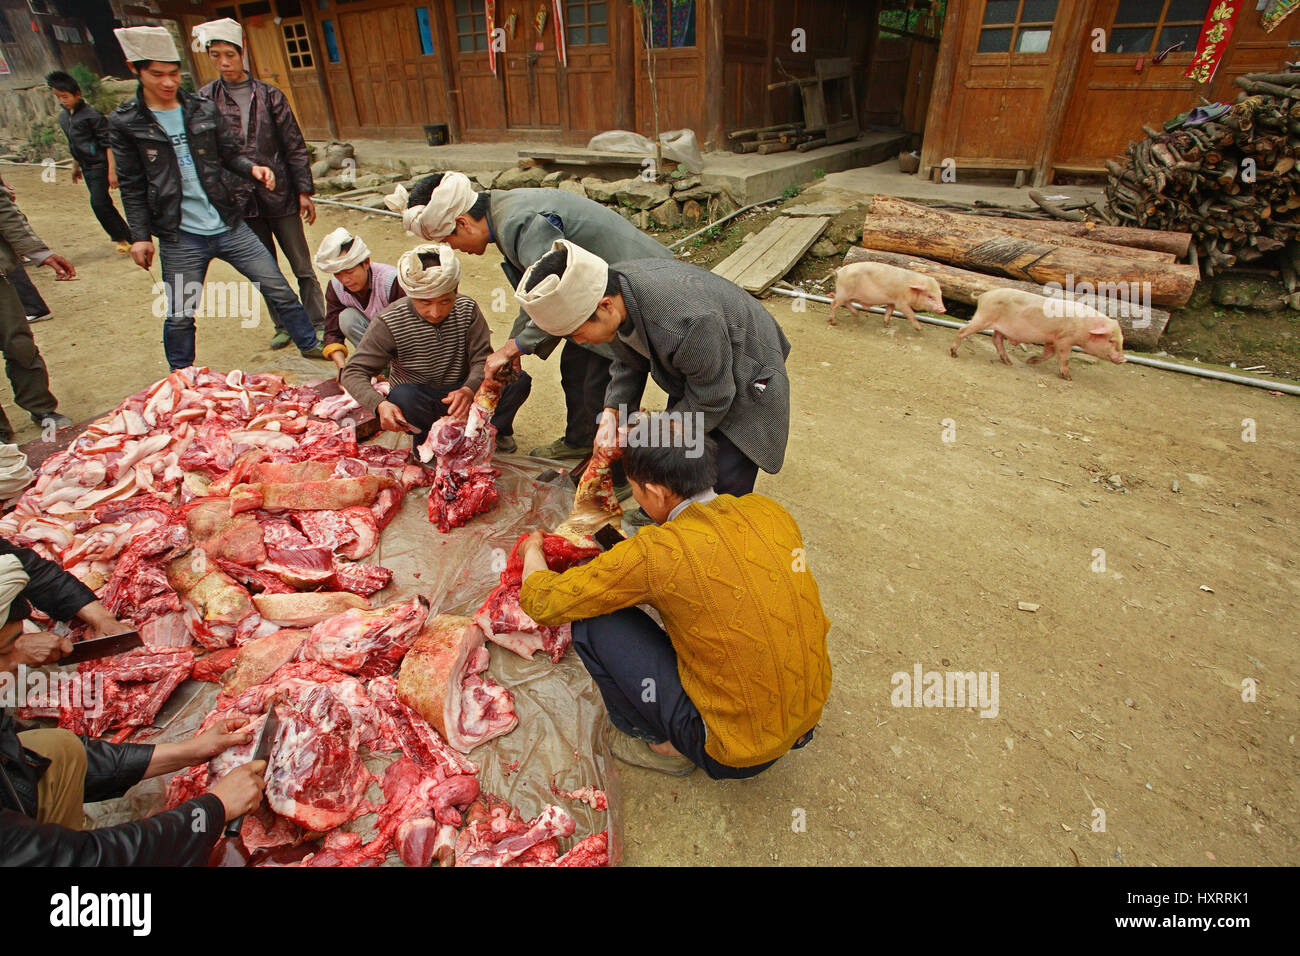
point(433, 343)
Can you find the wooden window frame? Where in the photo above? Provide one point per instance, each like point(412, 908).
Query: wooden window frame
point(586, 24)
point(476, 31)
point(1005, 56)
point(303, 38)
point(1182, 56)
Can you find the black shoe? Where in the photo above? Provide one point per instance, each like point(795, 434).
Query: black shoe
point(39, 318)
point(60, 422)
point(506, 444)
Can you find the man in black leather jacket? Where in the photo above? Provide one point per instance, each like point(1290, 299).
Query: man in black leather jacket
point(261, 116)
point(46, 774)
point(176, 158)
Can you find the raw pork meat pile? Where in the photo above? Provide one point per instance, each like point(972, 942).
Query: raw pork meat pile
point(464, 481)
point(216, 510)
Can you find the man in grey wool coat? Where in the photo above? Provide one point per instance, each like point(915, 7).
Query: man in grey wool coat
point(710, 345)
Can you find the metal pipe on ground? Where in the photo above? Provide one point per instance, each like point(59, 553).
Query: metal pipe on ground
point(1136, 359)
point(359, 208)
point(727, 218)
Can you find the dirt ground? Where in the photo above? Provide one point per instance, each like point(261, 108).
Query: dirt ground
point(1122, 692)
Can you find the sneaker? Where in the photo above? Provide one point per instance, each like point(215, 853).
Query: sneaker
point(623, 491)
point(315, 352)
point(637, 519)
point(281, 339)
point(507, 445)
point(40, 318)
point(637, 752)
point(60, 422)
point(122, 246)
point(560, 450)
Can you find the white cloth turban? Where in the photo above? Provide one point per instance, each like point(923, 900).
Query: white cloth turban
point(559, 304)
point(15, 475)
point(422, 283)
point(12, 581)
point(331, 258)
point(435, 221)
point(147, 43)
point(224, 29)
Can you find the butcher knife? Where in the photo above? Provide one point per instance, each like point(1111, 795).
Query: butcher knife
point(98, 647)
point(261, 751)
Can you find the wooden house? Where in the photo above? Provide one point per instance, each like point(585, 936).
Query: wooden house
point(561, 70)
point(1041, 88)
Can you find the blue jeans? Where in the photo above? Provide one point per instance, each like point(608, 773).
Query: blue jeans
point(184, 262)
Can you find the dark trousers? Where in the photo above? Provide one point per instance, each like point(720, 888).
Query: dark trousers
point(421, 405)
point(33, 302)
point(23, 362)
point(101, 203)
point(736, 471)
point(288, 232)
point(633, 663)
point(184, 262)
point(584, 375)
point(512, 399)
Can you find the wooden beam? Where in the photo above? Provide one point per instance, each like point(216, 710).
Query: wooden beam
point(1071, 39)
point(451, 86)
point(943, 92)
point(714, 76)
point(625, 41)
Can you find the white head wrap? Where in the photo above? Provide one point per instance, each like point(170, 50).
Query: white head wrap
point(559, 304)
point(454, 196)
point(15, 475)
point(224, 29)
point(422, 283)
point(331, 258)
point(147, 43)
point(12, 581)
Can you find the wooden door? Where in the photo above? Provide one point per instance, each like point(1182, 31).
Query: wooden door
point(679, 32)
point(266, 55)
point(529, 64)
point(1009, 56)
point(1119, 90)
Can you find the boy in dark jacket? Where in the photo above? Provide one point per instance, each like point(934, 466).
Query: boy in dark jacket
point(262, 119)
point(87, 133)
point(47, 774)
point(175, 155)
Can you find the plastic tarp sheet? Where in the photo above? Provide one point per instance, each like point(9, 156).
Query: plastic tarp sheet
point(559, 740)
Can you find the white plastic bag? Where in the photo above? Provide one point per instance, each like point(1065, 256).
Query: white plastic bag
point(679, 145)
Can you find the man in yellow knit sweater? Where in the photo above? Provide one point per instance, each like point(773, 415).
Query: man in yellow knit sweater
point(742, 673)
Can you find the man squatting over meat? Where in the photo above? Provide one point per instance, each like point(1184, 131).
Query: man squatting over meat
point(741, 672)
point(433, 343)
point(175, 153)
point(359, 291)
point(262, 119)
point(47, 774)
point(524, 224)
point(718, 354)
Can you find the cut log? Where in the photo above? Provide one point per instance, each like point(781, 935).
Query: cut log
point(1140, 331)
point(978, 245)
point(1028, 229)
point(1174, 243)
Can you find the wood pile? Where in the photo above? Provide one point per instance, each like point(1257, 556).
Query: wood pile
point(1232, 182)
point(776, 139)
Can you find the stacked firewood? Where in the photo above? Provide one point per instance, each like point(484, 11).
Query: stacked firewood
point(776, 139)
point(1231, 182)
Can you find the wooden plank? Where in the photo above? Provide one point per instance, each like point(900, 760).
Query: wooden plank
point(771, 253)
point(740, 260)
